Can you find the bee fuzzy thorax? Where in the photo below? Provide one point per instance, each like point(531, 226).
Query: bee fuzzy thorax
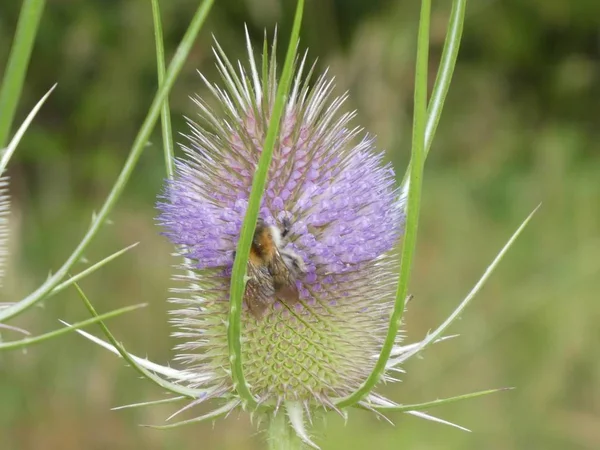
point(267, 239)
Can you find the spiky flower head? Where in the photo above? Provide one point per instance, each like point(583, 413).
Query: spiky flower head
point(345, 216)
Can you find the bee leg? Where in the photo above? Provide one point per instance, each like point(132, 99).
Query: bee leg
point(257, 309)
point(286, 225)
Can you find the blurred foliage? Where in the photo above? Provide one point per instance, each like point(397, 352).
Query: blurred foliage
point(520, 126)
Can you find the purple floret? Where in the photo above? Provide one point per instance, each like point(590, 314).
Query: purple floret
point(338, 194)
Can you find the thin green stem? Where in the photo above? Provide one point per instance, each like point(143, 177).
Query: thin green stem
point(445, 71)
point(238, 282)
point(414, 198)
point(444, 74)
point(138, 146)
point(150, 403)
point(44, 337)
point(280, 435)
point(165, 114)
point(18, 60)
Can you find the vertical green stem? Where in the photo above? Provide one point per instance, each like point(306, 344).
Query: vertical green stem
point(238, 274)
point(165, 113)
point(446, 69)
point(444, 74)
point(412, 209)
point(16, 68)
point(280, 435)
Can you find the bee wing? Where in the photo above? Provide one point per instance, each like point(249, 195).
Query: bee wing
point(284, 281)
point(260, 292)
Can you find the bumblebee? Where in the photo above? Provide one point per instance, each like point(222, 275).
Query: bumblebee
point(272, 270)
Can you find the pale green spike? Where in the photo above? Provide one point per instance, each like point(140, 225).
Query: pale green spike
point(151, 403)
point(426, 416)
point(13, 328)
point(12, 146)
point(172, 387)
point(217, 413)
point(296, 415)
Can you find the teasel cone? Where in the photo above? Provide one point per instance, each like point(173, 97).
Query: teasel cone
point(328, 180)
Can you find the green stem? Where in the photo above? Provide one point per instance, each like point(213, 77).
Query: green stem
point(444, 75)
point(280, 435)
point(16, 68)
point(238, 274)
point(412, 210)
point(165, 114)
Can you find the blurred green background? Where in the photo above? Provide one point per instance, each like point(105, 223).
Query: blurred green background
point(520, 126)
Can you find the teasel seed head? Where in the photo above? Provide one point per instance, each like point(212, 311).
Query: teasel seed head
point(340, 198)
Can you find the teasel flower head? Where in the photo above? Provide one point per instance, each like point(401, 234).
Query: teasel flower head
point(331, 186)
